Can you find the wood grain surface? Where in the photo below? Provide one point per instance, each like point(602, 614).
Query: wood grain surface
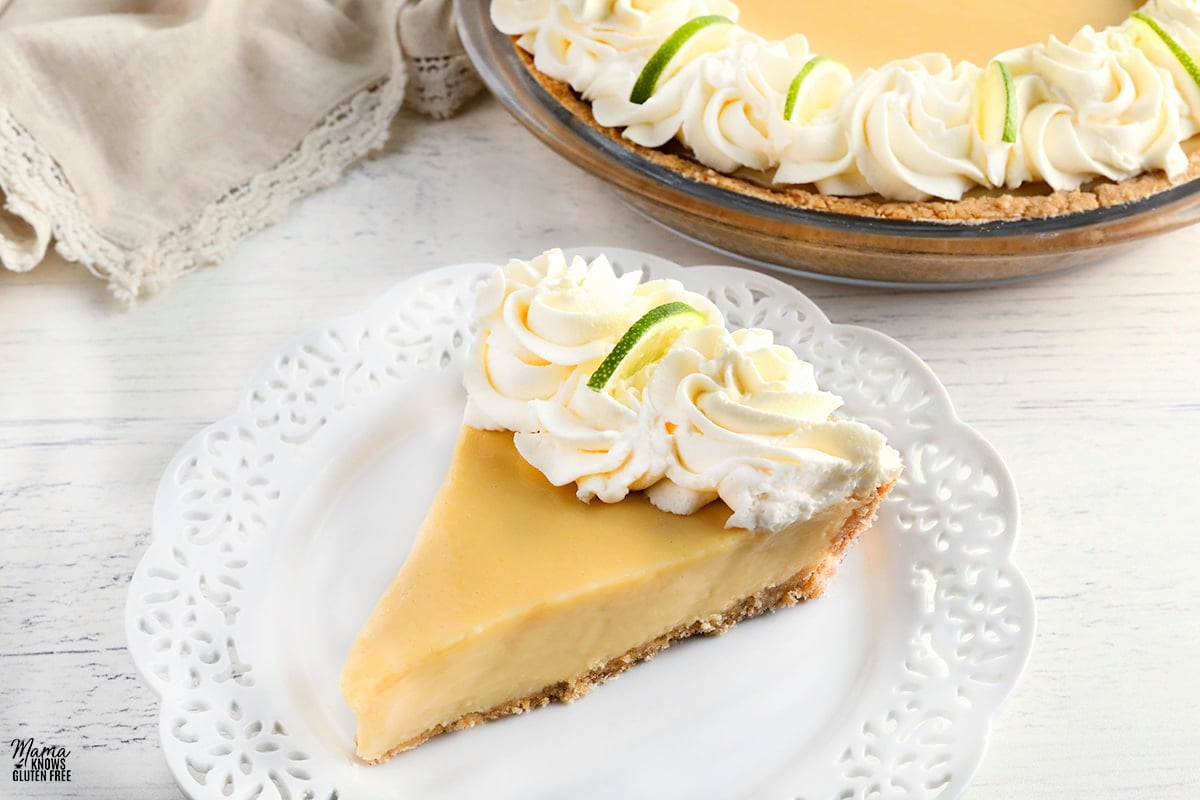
point(1087, 383)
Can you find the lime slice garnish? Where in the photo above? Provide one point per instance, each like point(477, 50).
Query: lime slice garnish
point(996, 103)
point(829, 89)
point(646, 341)
point(1185, 59)
point(660, 62)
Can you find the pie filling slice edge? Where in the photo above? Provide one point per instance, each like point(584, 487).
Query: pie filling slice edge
point(516, 594)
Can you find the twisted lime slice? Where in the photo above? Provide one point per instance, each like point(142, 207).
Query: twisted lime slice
point(688, 35)
point(1143, 39)
point(646, 341)
point(826, 80)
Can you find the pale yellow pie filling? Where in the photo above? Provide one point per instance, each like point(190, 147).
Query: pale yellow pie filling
point(513, 586)
point(971, 30)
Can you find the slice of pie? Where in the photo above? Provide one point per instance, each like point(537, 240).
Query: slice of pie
point(942, 110)
point(721, 486)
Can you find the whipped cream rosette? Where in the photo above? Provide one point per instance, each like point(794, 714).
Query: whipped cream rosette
point(541, 320)
point(573, 39)
point(606, 442)
point(750, 425)
point(909, 124)
point(1105, 109)
point(716, 414)
point(722, 105)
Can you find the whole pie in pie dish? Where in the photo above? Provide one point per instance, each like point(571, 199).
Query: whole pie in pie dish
point(950, 110)
point(630, 472)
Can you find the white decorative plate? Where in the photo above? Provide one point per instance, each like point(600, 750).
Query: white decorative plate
point(277, 528)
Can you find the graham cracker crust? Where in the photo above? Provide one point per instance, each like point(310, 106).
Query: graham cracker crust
point(804, 585)
point(1026, 203)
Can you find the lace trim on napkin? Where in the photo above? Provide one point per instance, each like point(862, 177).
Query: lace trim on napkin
point(438, 85)
point(40, 203)
point(351, 130)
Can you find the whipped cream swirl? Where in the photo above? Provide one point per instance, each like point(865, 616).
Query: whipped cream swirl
point(540, 320)
point(571, 39)
point(722, 415)
point(909, 125)
point(724, 106)
point(1106, 109)
point(1110, 103)
point(750, 425)
point(606, 443)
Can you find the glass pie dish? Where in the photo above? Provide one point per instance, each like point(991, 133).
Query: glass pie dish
point(811, 242)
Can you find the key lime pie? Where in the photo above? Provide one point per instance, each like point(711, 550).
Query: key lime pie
point(630, 472)
point(939, 107)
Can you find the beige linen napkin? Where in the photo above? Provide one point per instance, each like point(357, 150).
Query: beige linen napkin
point(145, 137)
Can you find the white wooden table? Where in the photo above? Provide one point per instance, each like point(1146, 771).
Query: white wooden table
point(1088, 383)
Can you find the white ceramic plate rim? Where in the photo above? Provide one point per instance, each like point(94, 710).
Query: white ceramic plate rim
point(228, 724)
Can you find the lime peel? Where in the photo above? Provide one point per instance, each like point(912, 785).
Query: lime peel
point(636, 333)
point(647, 80)
point(1010, 104)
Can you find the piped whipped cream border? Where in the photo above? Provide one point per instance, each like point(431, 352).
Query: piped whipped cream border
point(1110, 103)
point(721, 414)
